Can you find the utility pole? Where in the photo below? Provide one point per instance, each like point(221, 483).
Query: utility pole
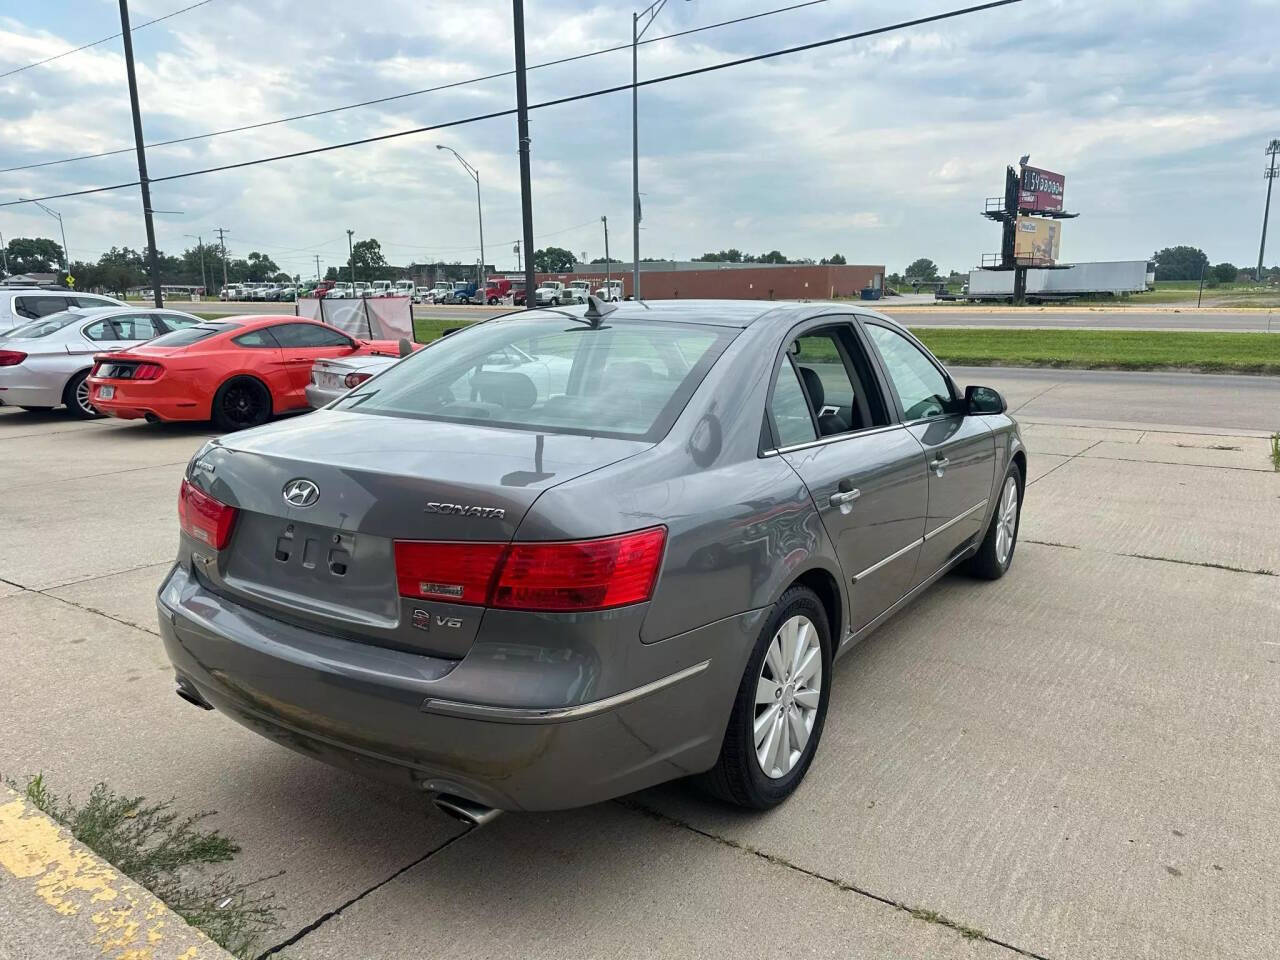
point(222, 243)
point(351, 261)
point(317, 267)
point(153, 257)
point(608, 272)
point(637, 31)
point(522, 132)
point(516, 251)
point(4, 254)
point(204, 283)
point(1272, 149)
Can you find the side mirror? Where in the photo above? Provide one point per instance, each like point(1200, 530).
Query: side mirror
point(406, 347)
point(983, 400)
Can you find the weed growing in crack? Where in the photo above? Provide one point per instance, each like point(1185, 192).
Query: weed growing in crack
point(1275, 450)
point(167, 853)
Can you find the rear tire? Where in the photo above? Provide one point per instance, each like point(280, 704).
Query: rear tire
point(786, 713)
point(76, 398)
point(995, 555)
point(241, 403)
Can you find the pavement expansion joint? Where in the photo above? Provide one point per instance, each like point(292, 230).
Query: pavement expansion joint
point(918, 913)
point(324, 918)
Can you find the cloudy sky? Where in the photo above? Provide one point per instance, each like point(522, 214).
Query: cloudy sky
point(881, 149)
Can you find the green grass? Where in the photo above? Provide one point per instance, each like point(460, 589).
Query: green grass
point(426, 329)
point(1106, 349)
point(166, 853)
point(1275, 450)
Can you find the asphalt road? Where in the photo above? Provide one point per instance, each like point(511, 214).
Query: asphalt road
point(1076, 761)
point(924, 315)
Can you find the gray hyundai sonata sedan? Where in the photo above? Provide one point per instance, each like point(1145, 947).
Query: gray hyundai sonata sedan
point(632, 556)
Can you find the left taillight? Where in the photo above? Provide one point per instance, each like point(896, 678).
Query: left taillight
point(355, 379)
point(204, 518)
point(11, 358)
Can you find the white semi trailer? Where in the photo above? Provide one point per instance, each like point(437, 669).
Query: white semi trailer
point(1104, 278)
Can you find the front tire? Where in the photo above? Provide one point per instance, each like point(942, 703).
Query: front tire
point(780, 709)
point(76, 398)
point(241, 403)
point(995, 555)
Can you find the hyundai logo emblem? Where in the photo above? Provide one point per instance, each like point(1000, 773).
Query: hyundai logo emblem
point(301, 493)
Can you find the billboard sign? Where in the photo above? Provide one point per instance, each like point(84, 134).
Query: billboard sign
point(1040, 190)
point(1037, 240)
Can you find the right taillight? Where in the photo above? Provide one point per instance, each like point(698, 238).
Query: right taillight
point(204, 518)
point(554, 577)
point(147, 371)
point(11, 358)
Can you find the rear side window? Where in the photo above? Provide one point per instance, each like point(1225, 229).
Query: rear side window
point(93, 303)
point(136, 327)
point(790, 409)
point(629, 378)
point(309, 335)
point(33, 308)
point(257, 338)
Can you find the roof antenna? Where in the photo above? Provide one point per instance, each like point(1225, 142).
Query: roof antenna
point(597, 310)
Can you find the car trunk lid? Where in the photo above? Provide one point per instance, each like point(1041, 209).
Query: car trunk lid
point(327, 559)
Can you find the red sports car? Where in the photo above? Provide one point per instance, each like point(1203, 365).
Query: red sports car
point(236, 372)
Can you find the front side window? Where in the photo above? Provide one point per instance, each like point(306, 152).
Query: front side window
point(33, 308)
point(921, 388)
point(628, 378)
point(309, 335)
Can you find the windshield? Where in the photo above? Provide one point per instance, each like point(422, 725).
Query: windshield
point(189, 335)
point(45, 325)
point(630, 378)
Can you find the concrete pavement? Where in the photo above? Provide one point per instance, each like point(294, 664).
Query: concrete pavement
point(1075, 761)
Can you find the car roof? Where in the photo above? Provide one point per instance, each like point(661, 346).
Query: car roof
point(718, 313)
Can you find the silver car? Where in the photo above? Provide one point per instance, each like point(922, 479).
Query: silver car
point(331, 379)
point(514, 597)
point(44, 363)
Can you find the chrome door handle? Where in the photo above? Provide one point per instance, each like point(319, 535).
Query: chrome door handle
point(939, 464)
point(845, 496)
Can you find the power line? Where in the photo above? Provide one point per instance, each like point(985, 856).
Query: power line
point(604, 91)
point(86, 46)
point(411, 93)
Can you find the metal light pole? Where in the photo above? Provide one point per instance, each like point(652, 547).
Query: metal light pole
point(1272, 149)
point(204, 283)
point(608, 272)
point(153, 256)
point(351, 261)
point(475, 175)
point(637, 31)
point(66, 256)
point(222, 244)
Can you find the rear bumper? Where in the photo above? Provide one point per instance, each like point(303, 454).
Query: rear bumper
point(318, 397)
point(24, 396)
point(133, 401)
point(424, 722)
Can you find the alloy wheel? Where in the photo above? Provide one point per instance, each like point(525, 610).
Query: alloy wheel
point(788, 693)
point(1007, 520)
point(242, 405)
point(82, 398)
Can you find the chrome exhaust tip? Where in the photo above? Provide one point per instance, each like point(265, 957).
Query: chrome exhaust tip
point(468, 811)
point(187, 691)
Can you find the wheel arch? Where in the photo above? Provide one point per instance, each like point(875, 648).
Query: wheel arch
point(66, 386)
point(823, 583)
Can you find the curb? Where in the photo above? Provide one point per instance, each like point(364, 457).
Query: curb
point(60, 900)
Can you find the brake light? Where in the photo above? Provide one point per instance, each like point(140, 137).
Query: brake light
point(11, 358)
point(457, 572)
point(561, 576)
point(97, 367)
point(355, 379)
point(147, 371)
point(204, 518)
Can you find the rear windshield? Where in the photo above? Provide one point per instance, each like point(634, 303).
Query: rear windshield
point(188, 335)
point(629, 378)
point(42, 328)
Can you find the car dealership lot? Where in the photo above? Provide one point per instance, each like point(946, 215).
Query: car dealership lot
point(1077, 760)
